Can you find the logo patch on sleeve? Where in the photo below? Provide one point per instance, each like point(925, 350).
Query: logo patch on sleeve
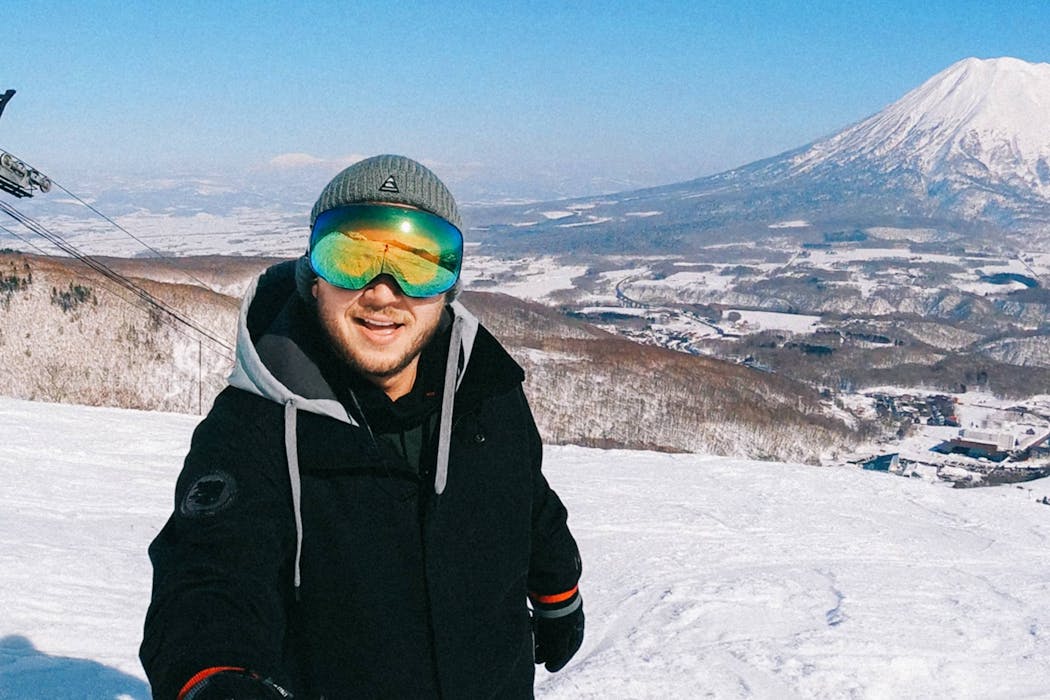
point(210, 494)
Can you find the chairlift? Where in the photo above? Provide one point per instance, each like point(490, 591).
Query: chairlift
point(16, 177)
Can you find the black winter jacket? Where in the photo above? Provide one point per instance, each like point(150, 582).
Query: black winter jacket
point(385, 587)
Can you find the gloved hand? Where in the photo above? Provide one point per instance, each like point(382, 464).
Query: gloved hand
point(558, 639)
point(236, 685)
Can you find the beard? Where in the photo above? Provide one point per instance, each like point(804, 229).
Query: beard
point(372, 362)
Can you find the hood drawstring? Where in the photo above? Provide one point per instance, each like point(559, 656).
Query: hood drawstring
point(291, 448)
point(447, 400)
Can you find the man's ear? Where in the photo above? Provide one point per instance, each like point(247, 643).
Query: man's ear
point(313, 289)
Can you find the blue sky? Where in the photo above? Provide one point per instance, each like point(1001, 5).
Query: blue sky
point(640, 92)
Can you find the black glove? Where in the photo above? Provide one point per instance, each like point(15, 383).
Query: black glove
point(558, 639)
point(236, 685)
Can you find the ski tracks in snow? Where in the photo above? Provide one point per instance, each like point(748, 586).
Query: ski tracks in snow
point(754, 580)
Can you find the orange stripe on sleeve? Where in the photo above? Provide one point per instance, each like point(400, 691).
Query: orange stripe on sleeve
point(202, 675)
point(557, 598)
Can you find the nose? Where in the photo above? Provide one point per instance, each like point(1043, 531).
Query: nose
point(384, 289)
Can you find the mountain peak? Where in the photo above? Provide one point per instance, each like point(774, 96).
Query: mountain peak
point(979, 119)
point(1002, 95)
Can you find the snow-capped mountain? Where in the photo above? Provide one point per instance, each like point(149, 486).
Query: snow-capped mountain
point(967, 151)
point(975, 135)
point(991, 113)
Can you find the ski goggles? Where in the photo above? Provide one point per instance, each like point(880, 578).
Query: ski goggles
point(350, 246)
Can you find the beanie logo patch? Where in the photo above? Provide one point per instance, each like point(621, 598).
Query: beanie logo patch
point(389, 185)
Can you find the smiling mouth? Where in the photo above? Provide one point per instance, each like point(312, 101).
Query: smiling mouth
point(378, 325)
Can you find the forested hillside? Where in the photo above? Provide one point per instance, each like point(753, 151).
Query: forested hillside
point(68, 335)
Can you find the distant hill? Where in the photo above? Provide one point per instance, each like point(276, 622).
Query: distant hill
point(67, 335)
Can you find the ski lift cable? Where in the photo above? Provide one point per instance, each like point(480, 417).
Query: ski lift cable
point(107, 272)
point(167, 315)
point(22, 238)
point(174, 326)
point(119, 279)
point(116, 277)
point(135, 238)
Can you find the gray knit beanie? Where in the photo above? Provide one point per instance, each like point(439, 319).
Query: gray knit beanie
point(385, 178)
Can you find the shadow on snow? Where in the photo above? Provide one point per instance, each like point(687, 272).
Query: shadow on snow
point(26, 673)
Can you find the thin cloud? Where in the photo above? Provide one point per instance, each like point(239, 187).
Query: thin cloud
point(286, 161)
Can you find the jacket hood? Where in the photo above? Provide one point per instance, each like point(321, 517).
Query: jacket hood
point(272, 356)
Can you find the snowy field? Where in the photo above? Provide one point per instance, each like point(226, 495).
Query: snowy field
point(703, 577)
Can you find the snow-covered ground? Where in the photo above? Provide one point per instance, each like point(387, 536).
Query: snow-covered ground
point(750, 320)
point(525, 278)
point(703, 576)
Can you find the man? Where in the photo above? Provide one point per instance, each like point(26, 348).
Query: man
point(362, 513)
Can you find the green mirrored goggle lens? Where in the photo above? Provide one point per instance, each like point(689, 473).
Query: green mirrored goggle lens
point(350, 246)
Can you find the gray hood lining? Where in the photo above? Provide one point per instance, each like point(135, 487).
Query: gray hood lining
point(251, 374)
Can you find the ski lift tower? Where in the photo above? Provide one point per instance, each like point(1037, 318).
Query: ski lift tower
point(16, 177)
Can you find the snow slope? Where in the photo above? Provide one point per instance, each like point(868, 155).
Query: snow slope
point(704, 577)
